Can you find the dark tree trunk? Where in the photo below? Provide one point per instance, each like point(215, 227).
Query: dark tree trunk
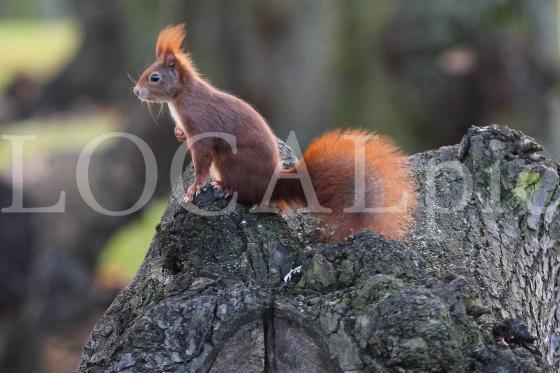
point(17, 252)
point(97, 72)
point(474, 289)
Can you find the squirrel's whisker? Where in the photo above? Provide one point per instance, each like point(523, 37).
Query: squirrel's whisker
point(149, 106)
point(131, 79)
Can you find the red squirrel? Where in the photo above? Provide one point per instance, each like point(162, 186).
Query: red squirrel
point(198, 108)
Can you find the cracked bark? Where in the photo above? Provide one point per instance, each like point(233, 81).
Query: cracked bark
point(476, 281)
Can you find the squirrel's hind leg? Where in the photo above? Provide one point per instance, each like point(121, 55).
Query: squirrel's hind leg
point(219, 185)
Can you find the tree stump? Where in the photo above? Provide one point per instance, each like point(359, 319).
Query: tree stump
point(475, 288)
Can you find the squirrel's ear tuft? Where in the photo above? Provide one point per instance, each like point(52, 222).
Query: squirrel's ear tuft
point(170, 40)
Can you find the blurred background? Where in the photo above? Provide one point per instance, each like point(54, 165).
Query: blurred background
point(421, 71)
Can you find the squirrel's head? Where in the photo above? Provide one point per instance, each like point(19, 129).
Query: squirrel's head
point(165, 78)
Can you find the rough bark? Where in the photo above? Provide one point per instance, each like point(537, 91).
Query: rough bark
point(474, 289)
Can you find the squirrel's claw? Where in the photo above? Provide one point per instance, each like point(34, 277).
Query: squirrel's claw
point(193, 191)
point(219, 186)
point(216, 184)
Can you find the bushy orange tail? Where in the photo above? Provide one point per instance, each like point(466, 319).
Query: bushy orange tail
point(388, 185)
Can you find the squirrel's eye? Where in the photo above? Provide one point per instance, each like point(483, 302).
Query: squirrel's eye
point(155, 77)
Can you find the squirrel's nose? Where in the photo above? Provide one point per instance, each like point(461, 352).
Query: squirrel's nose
point(136, 91)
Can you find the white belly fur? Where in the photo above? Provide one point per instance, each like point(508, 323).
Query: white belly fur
point(214, 173)
point(175, 116)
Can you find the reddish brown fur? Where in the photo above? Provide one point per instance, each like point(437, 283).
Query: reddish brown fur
point(168, 48)
point(201, 108)
point(205, 109)
point(331, 161)
point(170, 40)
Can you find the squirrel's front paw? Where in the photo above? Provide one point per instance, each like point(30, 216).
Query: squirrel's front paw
point(193, 191)
point(180, 134)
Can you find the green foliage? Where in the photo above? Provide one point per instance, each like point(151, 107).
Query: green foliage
point(20, 8)
point(36, 48)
